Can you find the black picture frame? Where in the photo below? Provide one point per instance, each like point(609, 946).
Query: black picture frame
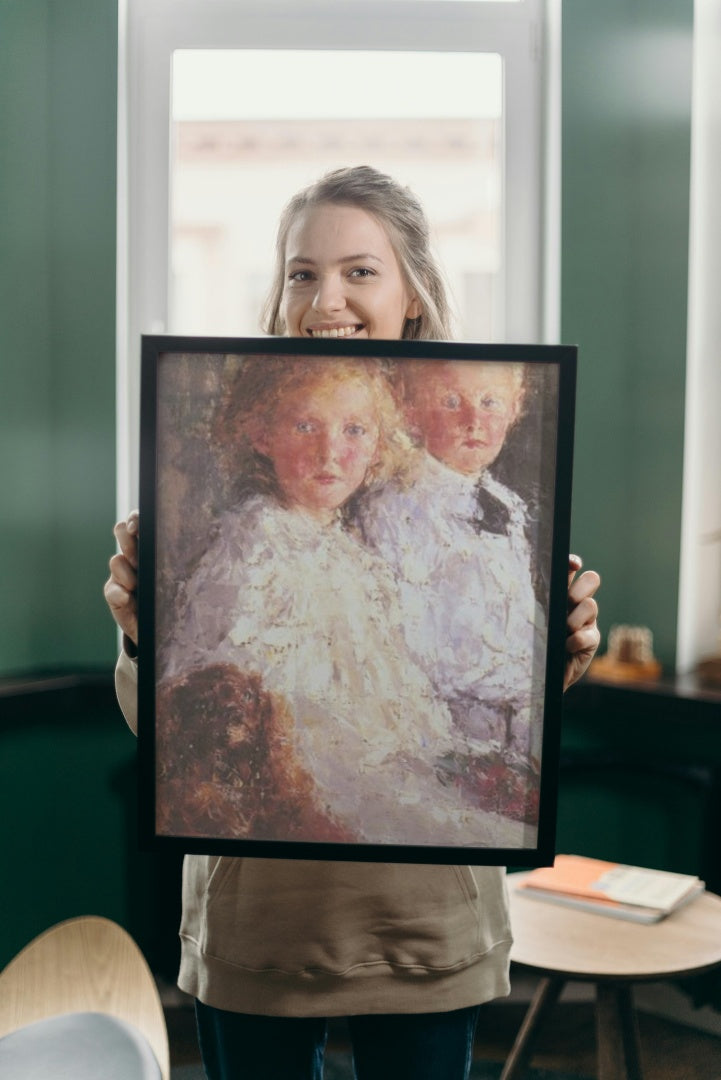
point(258, 737)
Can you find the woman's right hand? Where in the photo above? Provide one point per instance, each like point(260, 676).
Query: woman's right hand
point(121, 587)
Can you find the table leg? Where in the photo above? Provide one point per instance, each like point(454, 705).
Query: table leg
point(617, 1033)
point(545, 997)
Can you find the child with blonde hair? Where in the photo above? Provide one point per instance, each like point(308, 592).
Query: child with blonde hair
point(456, 538)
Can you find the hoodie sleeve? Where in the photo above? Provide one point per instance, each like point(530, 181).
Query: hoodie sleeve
point(126, 688)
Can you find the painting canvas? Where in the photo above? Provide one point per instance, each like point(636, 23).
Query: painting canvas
point(353, 572)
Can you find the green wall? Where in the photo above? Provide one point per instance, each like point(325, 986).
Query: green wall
point(625, 200)
point(68, 803)
point(66, 758)
point(58, 72)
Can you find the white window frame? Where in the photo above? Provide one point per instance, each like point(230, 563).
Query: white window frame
point(526, 34)
point(699, 597)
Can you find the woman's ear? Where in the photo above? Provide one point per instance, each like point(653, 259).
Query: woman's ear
point(415, 309)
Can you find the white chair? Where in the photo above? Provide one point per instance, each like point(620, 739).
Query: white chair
point(80, 1002)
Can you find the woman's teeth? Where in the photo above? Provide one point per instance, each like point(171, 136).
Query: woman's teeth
point(337, 331)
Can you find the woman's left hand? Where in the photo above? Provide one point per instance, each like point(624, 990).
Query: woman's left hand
point(583, 636)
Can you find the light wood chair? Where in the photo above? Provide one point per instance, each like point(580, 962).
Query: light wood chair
point(87, 965)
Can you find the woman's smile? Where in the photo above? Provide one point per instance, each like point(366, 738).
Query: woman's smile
point(334, 331)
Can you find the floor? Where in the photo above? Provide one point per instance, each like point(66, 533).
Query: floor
point(669, 1050)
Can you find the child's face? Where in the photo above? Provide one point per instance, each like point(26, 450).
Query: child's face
point(463, 412)
point(322, 440)
point(342, 277)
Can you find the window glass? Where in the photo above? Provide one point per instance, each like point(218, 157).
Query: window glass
point(238, 155)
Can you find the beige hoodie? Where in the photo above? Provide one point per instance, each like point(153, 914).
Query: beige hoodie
point(285, 937)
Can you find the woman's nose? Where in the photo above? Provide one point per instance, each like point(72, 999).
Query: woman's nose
point(329, 295)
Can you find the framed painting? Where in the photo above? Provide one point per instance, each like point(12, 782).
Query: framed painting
point(352, 597)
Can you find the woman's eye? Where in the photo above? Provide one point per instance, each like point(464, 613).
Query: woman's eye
point(300, 276)
point(362, 272)
point(305, 427)
point(451, 401)
point(355, 429)
point(491, 404)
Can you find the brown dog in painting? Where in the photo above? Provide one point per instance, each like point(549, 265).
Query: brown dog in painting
point(226, 766)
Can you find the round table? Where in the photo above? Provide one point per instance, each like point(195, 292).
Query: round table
point(562, 944)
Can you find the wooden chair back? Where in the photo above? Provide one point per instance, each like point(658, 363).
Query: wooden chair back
point(87, 964)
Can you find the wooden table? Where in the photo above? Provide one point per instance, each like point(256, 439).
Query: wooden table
point(563, 944)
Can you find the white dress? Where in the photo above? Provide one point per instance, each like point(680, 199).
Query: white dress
point(315, 614)
point(470, 613)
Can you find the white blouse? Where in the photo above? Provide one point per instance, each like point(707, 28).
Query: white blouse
point(470, 613)
point(316, 614)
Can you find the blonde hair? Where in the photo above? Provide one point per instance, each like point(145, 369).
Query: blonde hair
point(401, 214)
point(410, 376)
point(253, 397)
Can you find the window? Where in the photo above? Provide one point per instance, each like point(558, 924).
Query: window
point(227, 107)
point(235, 161)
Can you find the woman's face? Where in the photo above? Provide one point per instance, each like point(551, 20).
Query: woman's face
point(463, 412)
point(322, 441)
point(342, 277)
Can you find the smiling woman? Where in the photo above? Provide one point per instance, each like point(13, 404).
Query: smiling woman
point(332, 289)
point(353, 258)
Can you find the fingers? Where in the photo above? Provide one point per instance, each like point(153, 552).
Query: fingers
point(583, 613)
point(126, 534)
point(575, 562)
point(583, 636)
point(121, 587)
point(584, 641)
point(583, 587)
point(581, 648)
point(123, 572)
point(123, 607)
point(582, 607)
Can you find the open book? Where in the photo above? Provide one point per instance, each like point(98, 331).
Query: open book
point(608, 888)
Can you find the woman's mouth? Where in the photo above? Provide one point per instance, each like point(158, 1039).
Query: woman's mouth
point(334, 331)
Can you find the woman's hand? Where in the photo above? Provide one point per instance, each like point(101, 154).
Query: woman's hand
point(121, 587)
point(583, 636)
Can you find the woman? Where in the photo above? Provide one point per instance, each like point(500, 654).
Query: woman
point(271, 948)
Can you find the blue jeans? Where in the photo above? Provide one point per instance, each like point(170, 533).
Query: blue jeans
point(415, 1046)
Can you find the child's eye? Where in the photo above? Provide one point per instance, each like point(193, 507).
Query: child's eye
point(355, 429)
point(305, 427)
point(451, 401)
point(491, 404)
